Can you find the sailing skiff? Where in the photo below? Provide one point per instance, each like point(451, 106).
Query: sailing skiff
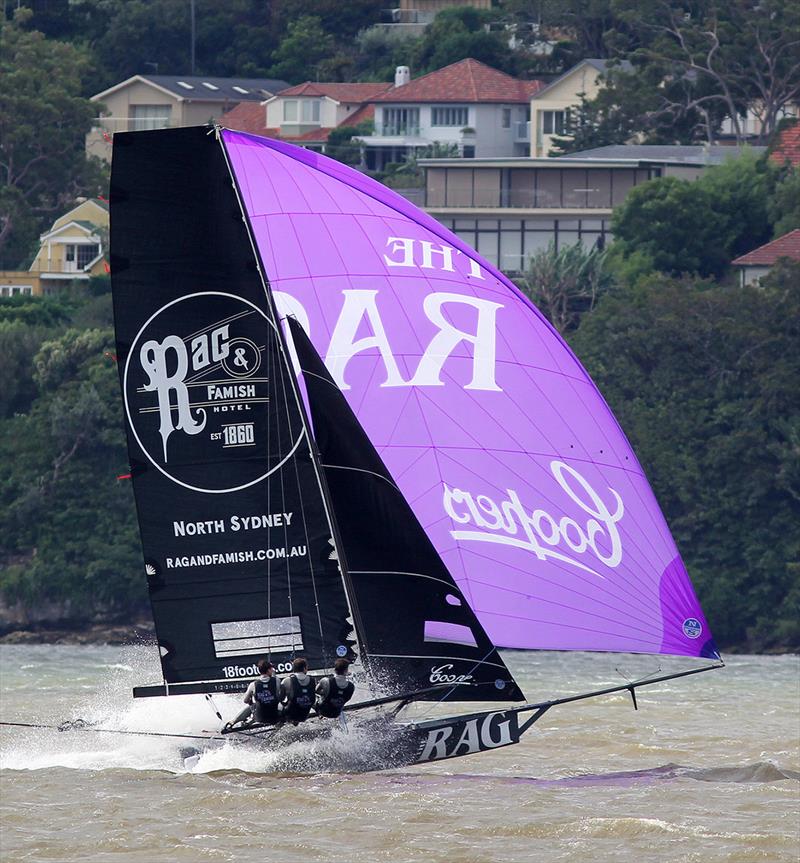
point(447, 480)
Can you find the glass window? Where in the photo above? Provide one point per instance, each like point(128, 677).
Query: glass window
point(449, 116)
point(548, 191)
point(553, 122)
point(575, 188)
point(459, 188)
point(598, 182)
point(467, 236)
point(465, 224)
point(567, 238)
point(436, 187)
point(487, 245)
point(506, 118)
point(290, 111)
point(468, 151)
point(401, 121)
point(536, 241)
point(521, 182)
point(87, 253)
point(150, 116)
point(623, 183)
point(310, 110)
point(487, 187)
point(69, 253)
point(511, 251)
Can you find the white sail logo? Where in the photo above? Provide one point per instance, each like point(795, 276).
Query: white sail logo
point(196, 366)
point(155, 359)
point(511, 523)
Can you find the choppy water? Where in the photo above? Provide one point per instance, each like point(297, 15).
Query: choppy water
point(707, 770)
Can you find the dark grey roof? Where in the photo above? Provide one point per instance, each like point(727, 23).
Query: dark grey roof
point(681, 153)
point(211, 89)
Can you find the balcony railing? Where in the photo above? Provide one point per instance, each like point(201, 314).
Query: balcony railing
point(109, 125)
point(401, 130)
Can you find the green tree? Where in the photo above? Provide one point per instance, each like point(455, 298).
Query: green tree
point(456, 34)
point(301, 51)
point(726, 57)
point(341, 145)
point(703, 381)
point(671, 221)
point(565, 284)
point(644, 104)
point(69, 527)
point(697, 227)
point(784, 204)
point(43, 124)
point(379, 51)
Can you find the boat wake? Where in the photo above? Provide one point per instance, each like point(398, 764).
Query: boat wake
point(761, 772)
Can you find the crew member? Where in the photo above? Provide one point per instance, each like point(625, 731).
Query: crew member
point(262, 697)
point(297, 692)
point(334, 691)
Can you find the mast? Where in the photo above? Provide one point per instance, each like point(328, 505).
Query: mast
point(338, 548)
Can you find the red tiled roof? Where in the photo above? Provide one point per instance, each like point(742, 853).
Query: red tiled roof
point(251, 117)
point(787, 148)
point(787, 246)
point(466, 81)
point(365, 112)
point(340, 92)
point(246, 117)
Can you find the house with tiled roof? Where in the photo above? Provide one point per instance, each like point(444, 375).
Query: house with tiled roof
point(786, 150)
point(756, 264)
point(73, 250)
point(307, 113)
point(468, 107)
point(167, 101)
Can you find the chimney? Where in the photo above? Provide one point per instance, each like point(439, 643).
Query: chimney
point(402, 75)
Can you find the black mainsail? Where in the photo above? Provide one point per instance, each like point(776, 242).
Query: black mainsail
point(238, 546)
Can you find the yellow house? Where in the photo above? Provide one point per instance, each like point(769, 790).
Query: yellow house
point(550, 106)
point(73, 249)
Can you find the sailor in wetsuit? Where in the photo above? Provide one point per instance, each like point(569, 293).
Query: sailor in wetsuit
point(334, 691)
point(262, 698)
point(297, 691)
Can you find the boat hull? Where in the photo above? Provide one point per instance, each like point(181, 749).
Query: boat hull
point(377, 743)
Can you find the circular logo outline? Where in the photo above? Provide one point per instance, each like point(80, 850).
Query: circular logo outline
point(155, 464)
point(692, 628)
point(256, 365)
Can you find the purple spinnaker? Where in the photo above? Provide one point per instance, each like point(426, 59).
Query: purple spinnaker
point(495, 433)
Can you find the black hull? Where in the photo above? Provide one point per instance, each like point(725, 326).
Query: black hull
point(378, 743)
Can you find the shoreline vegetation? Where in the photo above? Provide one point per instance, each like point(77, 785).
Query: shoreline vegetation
point(701, 375)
